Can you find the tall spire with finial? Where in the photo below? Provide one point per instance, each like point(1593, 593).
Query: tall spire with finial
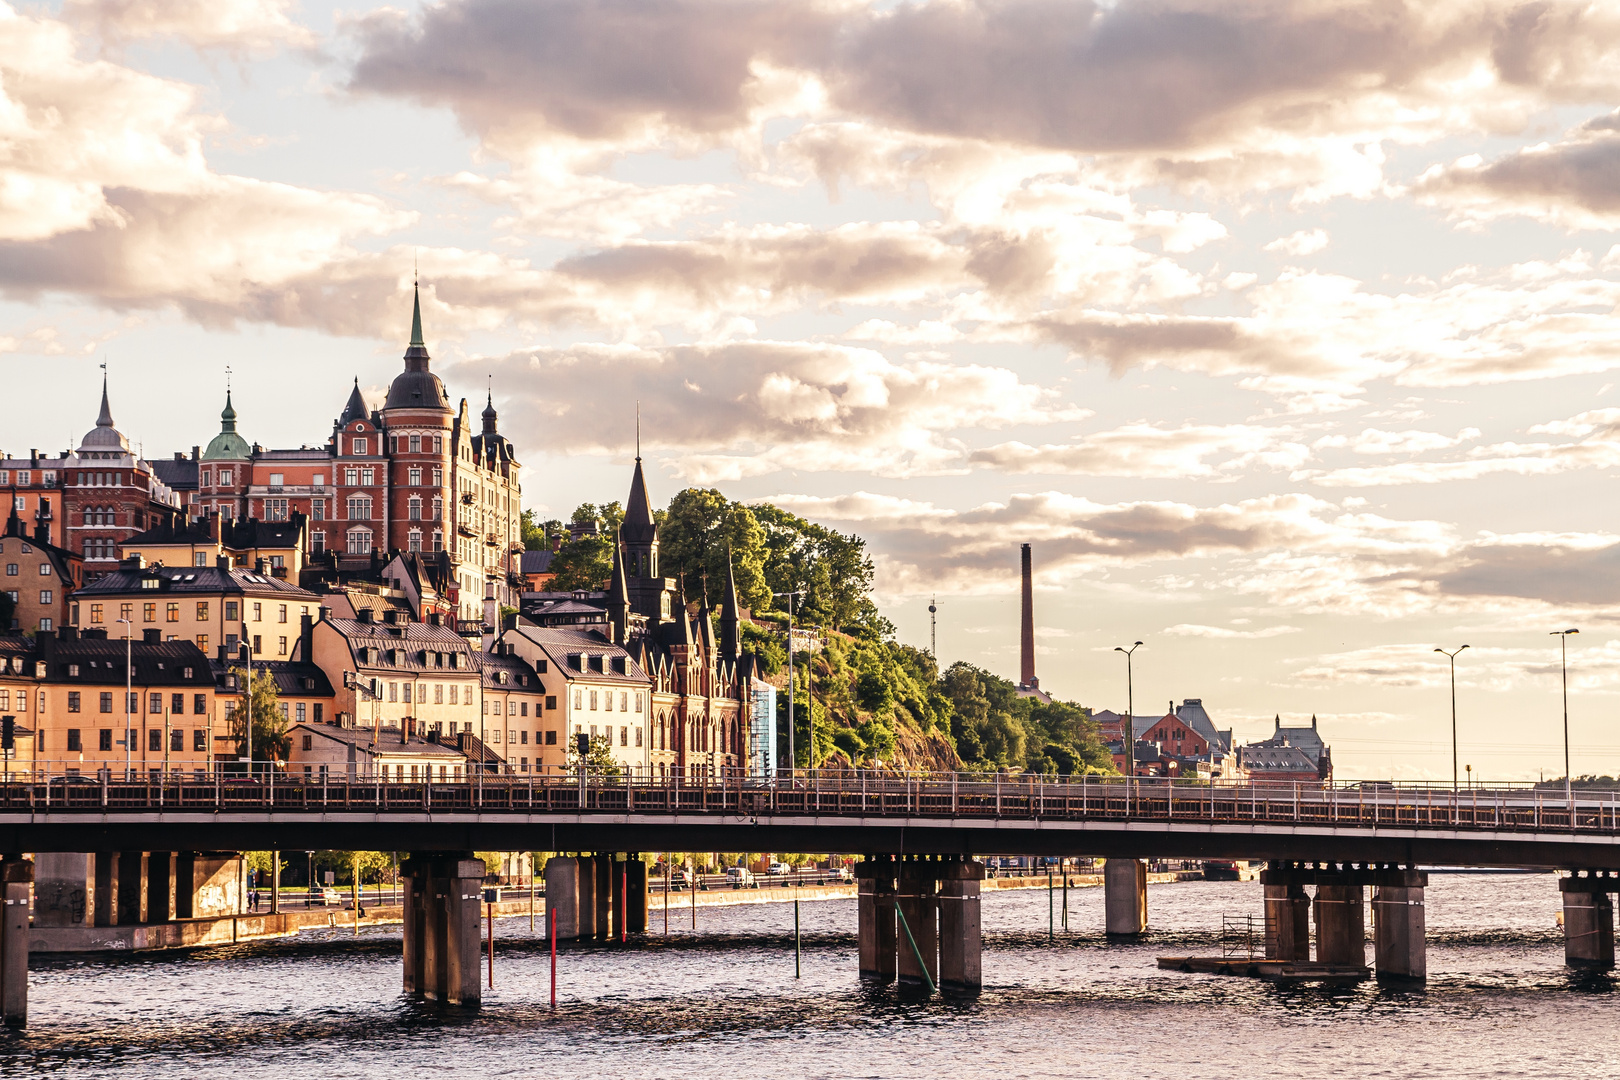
point(105, 419)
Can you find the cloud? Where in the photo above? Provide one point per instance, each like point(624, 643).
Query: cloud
point(1375, 441)
point(1225, 633)
point(1574, 184)
point(1145, 450)
point(1303, 242)
point(235, 26)
point(751, 408)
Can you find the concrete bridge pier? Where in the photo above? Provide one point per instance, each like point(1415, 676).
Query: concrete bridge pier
point(16, 879)
point(875, 921)
point(1288, 920)
point(1125, 896)
point(1589, 920)
point(443, 904)
point(636, 886)
point(562, 895)
point(1400, 952)
point(918, 901)
point(586, 906)
point(609, 915)
point(960, 944)
point(1341, 925)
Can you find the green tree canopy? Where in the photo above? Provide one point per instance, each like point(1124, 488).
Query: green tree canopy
point(599, 763)
point(697, 533)
point(263, 703)
point(587, 562)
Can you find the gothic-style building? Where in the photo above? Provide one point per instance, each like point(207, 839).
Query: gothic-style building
point(699, 719)
point(412, 476)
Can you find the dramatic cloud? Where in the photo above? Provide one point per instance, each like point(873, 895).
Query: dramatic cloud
point(1145, 450)
point(1574, 184)
point(1225, 633)
point(233, 26)
point(752, 408)
point(1304, 242)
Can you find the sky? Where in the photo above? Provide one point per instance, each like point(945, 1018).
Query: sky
point(1284, 332)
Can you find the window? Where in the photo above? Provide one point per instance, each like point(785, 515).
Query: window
point(207, 478)
point(454, 690)
point(277, 479)
point(407, 689)
point(44, 624)
point(416, 448)
point(638, 704)
point(309, 742)
point(226, 477)
point(415, 474)
point(73, 701)
point(106, 702)
point(73, 734)
point(46, 596)
point(231, 610)
point(202, 611)
point(317, 511)
point(172, 613)
point(95, 613)
point(281, 615)
point(281, 646)
point(624, 736)
point(202, 642)
point(134, 702)
point(126, 612)
point(299, 711)
point(578, 696)
point(638, 736)
point(154, 740)
point(524, 708)
point(360, 540)
point(359, 508)
point(105, 742)
point(593, 701)
point(438, 538)
point(624, 699)
point(258, 612)
point(351, 475)
point(177, 704)
point(317, 713)
point(258, 644)
point(199, 740)
point(359, 447)
point(413, 539)
point(551, 701)
point(275, 509)
point(11, 569)
point(438, 448)
point(438, 693)
point(154, 703)
point(551, 738)
point(44, 569)
point(177, 742)
point(414, 507)
point(368, 477)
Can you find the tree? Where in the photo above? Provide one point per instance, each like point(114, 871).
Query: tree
point(262, 702)
point(536, 535)
point(832, 568)
point(599, 763)
point(697, 533)
point(586, 562)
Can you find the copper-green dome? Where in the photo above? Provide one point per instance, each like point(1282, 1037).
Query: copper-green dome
point(227, 445)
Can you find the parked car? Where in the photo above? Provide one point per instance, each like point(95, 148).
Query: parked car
point(739, 877)
point(678, 879)
point(324, 895)
point(780, 868)
point(840, 873)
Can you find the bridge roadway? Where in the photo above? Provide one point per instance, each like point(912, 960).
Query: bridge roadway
point(855, 813)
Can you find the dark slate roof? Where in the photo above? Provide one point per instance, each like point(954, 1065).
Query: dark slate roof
point(101, 661)
point(179, 473)
point(411, 639)
point(519, 675)
point(180, 580)
point(243, 533)
point(537, 562)
point(1264, 759)
point(564, 647)
point(293, 678)
point(61, 559)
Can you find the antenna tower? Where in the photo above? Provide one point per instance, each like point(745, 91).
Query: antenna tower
point(933, 630)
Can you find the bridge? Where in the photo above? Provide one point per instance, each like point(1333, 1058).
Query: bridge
point(919, 835)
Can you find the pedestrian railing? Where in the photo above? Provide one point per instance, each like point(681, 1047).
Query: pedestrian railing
point(847, 795)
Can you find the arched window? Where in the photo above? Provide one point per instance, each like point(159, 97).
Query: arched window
point(414, 543)
point(359, 541)
point(415, 507)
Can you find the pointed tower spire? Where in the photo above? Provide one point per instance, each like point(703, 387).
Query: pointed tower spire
point(105, 419)
point(730, 615)
point(355, 408)
point(416, 315)
point(619, 592)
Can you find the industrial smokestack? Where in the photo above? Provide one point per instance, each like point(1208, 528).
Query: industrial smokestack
point(1026, 635)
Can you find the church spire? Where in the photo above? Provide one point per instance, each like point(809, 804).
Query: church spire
point(105, 419)
point(416, 354)
point(730, 615)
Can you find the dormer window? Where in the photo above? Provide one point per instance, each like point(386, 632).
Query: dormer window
point(359, 447)
point(150, 583)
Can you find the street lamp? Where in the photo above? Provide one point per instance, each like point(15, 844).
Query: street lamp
point(1129, 732)
point(1563, 663)
point(793, 761)
point(1452, 656)
point(129, 688)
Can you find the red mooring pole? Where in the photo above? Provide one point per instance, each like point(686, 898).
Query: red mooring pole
point(491, 920)
point(551, 917)
point(624, 904)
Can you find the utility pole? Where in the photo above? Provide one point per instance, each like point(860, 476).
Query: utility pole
point(933, 634)
point(1128, 734)
point(1563, 663)
point(1452, 656)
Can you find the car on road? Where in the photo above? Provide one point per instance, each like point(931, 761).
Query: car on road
point(678, 879)
point(840, 873)
point(739, 877)
point(326, 895)
point(780, 868)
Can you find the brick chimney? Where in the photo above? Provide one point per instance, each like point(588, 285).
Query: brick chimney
point(1026, 633)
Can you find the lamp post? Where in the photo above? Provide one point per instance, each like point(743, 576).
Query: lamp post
point(1129, 732)
point(129, 688)
point(793, 761)
point(1452, 657)
point(1563, 664)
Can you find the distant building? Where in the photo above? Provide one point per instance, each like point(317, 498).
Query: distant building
point(1183, 741)
point(37, 577)
point(536, 570)
point(1292, 753)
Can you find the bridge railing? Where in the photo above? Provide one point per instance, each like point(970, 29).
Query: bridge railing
point(857, 796)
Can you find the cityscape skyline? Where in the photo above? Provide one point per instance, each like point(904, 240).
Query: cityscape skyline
point(1293, 370)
